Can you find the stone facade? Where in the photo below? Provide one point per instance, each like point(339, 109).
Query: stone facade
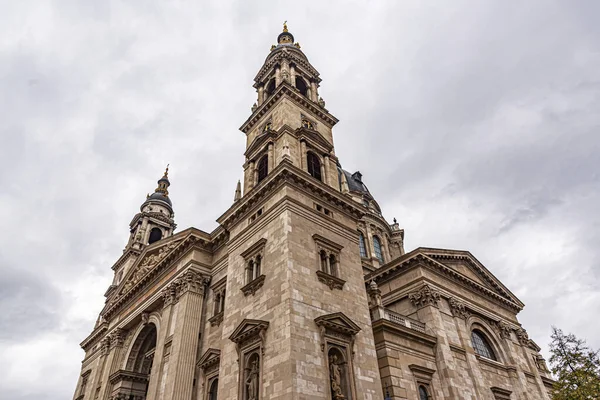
point(304, 291)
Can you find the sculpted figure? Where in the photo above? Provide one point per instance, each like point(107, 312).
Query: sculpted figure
point(252, 382)
point(335, 374)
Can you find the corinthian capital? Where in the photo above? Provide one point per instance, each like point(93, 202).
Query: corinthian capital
point(458, 308)
point(425, 296)
point(191, 281)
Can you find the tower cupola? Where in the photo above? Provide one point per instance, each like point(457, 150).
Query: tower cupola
point(155, 221)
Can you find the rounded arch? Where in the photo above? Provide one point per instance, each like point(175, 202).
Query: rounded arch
point(338, 361)
point(377, 248)
point(213, 389)
point(141, 355)
point(263, 167)
point(476, 324)
point(155, 235)
point(362, 245)
point(423, 393)
point(270, 88)
point(313, 165)
point(301, 85)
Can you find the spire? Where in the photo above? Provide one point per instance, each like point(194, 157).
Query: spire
point(285, 37)
point(238, 192)
point(163, 183)
point(285, 29)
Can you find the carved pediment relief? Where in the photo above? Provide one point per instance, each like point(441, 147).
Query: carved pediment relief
point(315, 138)
point(145, 264)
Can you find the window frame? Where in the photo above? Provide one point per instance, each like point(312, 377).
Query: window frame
point(378, 249)
point(311, 160)
point(483, 348)
point(262, 168)
point(362, 245)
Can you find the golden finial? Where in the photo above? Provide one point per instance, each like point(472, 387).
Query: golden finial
point(166, 172)
point(297, 44)
point(285, 26)
point(273, 47)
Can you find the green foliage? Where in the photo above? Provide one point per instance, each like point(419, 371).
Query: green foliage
point(575, 366)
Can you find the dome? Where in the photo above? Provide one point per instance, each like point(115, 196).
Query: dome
point(355, 183)
point(159, 197)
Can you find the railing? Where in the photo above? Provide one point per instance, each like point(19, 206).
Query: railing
point(402, 320)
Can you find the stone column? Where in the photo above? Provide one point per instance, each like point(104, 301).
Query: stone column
point(313, 91)
point(251, 174)
point(426, 300)
point(182, 361)
point(293, 75)
point(271, 157)
point(261, 94)
point(326, 163)
point(277, 76)
point(303, 155)
point(168, 295)
point(111, 354)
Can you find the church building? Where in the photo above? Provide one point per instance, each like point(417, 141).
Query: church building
point(304, 290)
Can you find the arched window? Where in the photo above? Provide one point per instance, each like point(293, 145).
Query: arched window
point(423, 393)
point(361, 245)
point(377, 248)
point(263, 167)
point(481, 345)
point(301, 86)
point(270, 87)
point(214, 386)
point(314, 165)
point(155, 235)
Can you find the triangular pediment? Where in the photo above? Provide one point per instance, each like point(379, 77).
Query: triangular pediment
point(464, 263)
point(459, 266)
point(314, 137)
point(338, 322)
point(147, 261)
point(248, 328)
point(210, 357)
point(260, 140)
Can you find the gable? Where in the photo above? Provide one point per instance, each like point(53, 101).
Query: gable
point(465, 264)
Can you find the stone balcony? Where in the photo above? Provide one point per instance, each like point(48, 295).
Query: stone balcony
point(378, 313)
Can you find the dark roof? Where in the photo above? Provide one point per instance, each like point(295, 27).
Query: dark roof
point(159, 197)
point(355, 183)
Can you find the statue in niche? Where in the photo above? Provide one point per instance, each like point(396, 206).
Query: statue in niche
point(252, 382)
point(335, 374)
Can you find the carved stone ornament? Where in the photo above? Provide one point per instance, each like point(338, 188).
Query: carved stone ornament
point(249, 331)
point(210, 360)
point(216, 319)
point(522, 336)
point(374, 294)
point(191, 281)
point(458, 308)
point(425, 296)
point(169, 295)
point(337, 325)
point(333, 282)
point(504, 329)
point(105, 345)
point(117, 338)
point(253, 286)
point(149, 262)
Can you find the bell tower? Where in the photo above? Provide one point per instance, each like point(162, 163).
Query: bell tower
point(300, 324)
point(289, 118)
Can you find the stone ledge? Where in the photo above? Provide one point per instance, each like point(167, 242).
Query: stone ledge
point(253, 286)
point(216, 319)
point(332, 281)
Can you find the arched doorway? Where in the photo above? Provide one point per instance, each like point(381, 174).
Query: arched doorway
point(141, 357)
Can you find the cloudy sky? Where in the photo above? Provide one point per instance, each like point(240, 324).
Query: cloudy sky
point(475, 123)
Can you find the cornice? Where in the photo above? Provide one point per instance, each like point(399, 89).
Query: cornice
point(416, 257)
point(99, 331)
point(289, 53)
point(287, 89)
point(121, 260)
point(403, 331)
point(287, 173)
point(117, 303)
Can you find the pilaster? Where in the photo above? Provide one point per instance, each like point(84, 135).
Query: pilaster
point(190, 288)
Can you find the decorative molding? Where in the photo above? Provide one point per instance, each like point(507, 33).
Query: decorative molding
point(216, 319)
point(421, 373)
point(325, 244)
point(254, 250)
point(253, 286)
point(210, 361)
point(248, 332)
point(500, 393)
point(117, 338)
point(333, 282)
point(522, 336)
point(458, 308)
point(425, 296)
point(339, 326)
point(191, 281)
point(94, 336)
point(503, 329)
point(128, 376)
